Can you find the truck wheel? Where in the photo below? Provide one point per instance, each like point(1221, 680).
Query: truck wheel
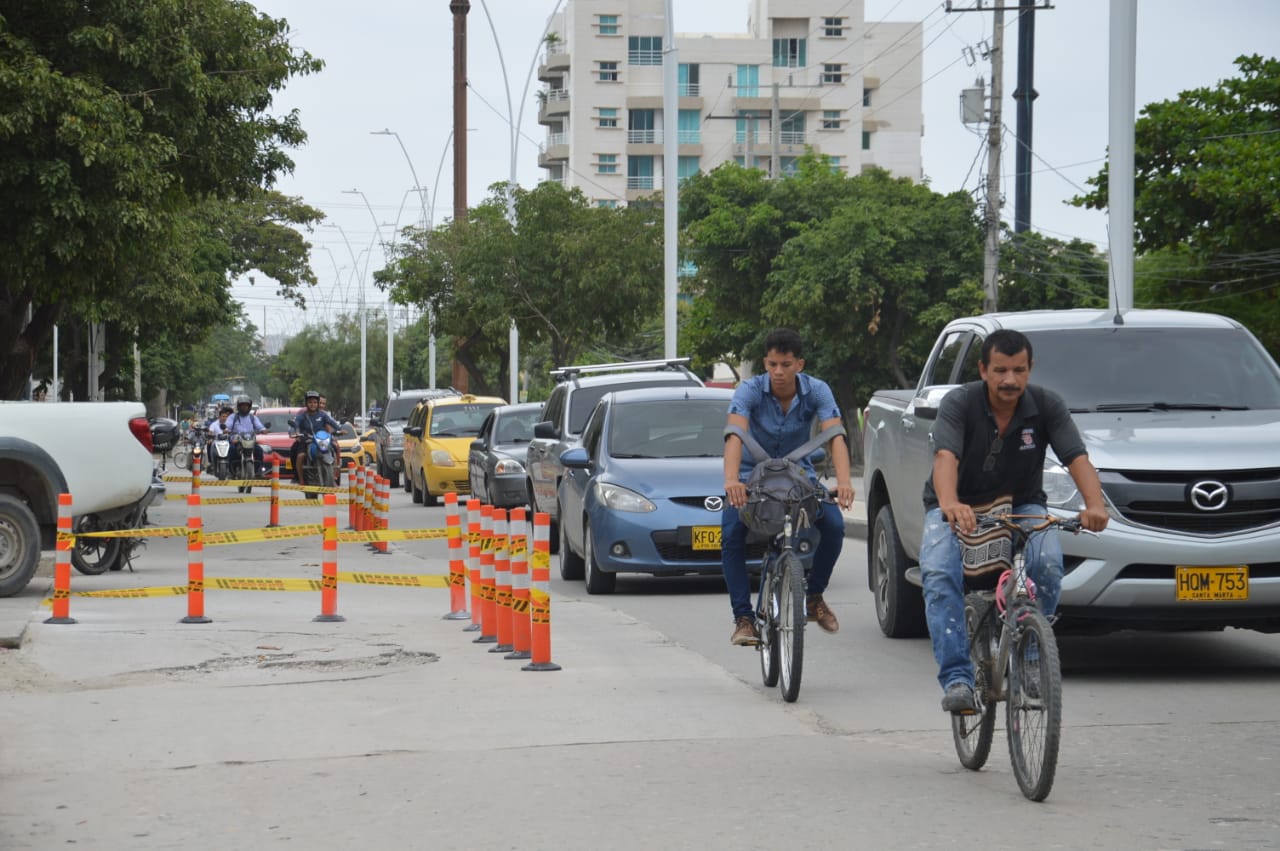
point(95, 556)
point(899, 604)
point(19, 545)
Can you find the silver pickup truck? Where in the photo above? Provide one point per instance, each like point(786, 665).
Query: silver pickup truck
point(1180, 413)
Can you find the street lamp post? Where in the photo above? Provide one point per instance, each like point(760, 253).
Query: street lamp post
point(390, 322)
point(364, 353)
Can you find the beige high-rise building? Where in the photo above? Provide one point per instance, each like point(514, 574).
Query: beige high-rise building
point(845, 89)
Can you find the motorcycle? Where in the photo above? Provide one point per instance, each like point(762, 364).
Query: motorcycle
point(246, 466)
point(93, 556)
point(318, 461)
point(219, 456)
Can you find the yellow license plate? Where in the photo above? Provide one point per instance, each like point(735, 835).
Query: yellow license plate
point(706, 537)
point(1199, 584)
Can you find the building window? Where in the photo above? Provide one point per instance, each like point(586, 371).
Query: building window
point(833, 27)
point(608, 72)
point(689, 82)
point(644, 50)
point(792, 132)
point(832, 74)
point(607, 117)
point(789, 53)
point(640, 130)
point(748, 130)
point(748, 81)
point(606, 163)
point(690, 129)
point(607, 24)
point(607, 203)
point(836, 163)
point(686, 167)
point(640, 172)
point(866, 97)
point(787, 166)
point(831, 119)
point(866, 140)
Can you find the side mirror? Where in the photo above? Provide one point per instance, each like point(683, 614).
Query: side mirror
point(545, 430)
point(575, 458)
point(413, 431)
point(925, 406)
point(266, 423)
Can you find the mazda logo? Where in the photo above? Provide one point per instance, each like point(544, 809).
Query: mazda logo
point(713, 503)
point(1209, 495)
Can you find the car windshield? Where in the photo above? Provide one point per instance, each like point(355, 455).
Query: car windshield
point(277, 422)
point(584, 399)
point(516, 427)
point(1139, 369)
point(462, 420)
point(346, 431)
point(674, 428)
point(399, 409)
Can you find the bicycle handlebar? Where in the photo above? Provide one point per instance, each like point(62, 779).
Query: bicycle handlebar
point(991, 521)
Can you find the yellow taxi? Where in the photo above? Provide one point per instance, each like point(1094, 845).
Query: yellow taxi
point(369, 443)
point(437, 442)
point(350, 447)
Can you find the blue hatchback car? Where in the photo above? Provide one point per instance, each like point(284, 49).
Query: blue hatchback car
point(644, 491)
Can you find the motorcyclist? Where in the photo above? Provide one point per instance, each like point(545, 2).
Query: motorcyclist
point(244, 421)
point(305, 425)
point(217, 427)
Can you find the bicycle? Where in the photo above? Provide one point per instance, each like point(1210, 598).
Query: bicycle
point(780, 611)
point(1015, 660)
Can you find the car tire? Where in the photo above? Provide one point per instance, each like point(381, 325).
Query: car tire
point(428, 499)
point(413, 483)
point(571, 564)
point(899, 604)
point(19, 545)
point(598, 581)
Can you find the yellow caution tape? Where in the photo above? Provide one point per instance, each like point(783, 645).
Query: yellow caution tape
point(149, 532)
point(242, 583)
point(249, 536)
point(370, 535)
point(434, 580)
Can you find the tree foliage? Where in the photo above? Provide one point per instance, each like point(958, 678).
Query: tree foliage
point(1206, 199)
point(573, 277)
point(118, 121)
point(1038, 272)
point(867, 268)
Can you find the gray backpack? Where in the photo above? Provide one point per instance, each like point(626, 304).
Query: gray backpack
point(775, 481)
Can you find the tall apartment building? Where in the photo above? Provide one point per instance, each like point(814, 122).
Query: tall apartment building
point(843, 89)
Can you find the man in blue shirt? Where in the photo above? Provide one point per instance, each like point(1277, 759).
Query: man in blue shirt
point(308, 422)
point(778, 409)
point(244, 421)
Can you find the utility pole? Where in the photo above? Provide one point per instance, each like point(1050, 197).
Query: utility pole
point(1024, 95)
point(459, 8)
point(991, 251)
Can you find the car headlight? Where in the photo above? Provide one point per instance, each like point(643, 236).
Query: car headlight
point(622, 499)
point(441, 458)
point(396, 441)
point(508, 466)
point(1060, 488)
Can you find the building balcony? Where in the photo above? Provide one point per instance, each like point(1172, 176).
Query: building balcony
point(556, 150)
point(555, 63)
point(643, 137)
point(552, 102)
point(640, 183)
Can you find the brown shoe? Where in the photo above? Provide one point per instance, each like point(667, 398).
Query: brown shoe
point(744, 632)
point(821, 613)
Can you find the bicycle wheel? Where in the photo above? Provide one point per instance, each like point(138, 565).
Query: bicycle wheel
point(767, 624)
point(973, 733)
point(1034, 711)
point(791, 619)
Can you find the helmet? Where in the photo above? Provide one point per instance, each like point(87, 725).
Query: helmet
point(312, 394)
point(243, 400)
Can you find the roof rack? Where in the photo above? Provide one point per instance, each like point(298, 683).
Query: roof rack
point(566, 372)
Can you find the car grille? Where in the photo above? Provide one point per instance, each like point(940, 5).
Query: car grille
point(696, 502)
point(666, 543)
point(1162, 500)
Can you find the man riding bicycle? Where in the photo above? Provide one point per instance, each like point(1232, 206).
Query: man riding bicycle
point(990, 441)
point(778, 409)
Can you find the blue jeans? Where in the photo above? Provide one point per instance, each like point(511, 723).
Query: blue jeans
point(733, 555)
point(944, 589)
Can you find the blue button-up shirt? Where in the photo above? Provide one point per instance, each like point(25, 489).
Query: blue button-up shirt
point(776, 432)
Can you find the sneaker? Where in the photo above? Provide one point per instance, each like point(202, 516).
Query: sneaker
point(820, 613)
point(744, 632)
point(958, 699)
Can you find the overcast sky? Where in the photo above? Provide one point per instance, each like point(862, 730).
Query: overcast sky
point(389, 65)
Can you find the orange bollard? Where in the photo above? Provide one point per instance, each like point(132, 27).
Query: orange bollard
point(540, 596)
point(488, 593)
point(383, 503)
point(519, 536)
point(275, 490)
point(366, 500)
point(502, 581)
point(352, 520)
point(473, 562)
point(457, 568)
point(357, 500)
point(195, 473)
point(329, 565)
point(195, 563)
point(62, 564)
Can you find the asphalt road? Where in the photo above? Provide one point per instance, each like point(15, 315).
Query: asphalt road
point(393, 729)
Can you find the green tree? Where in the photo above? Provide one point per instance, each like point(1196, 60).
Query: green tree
point(117, 120)
point(1206, 199)
point(1038, 272)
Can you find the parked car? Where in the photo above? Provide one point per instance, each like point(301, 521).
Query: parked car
point(349, 448)
point(570, 403)
point(437, 440)
point(390, 431)
point(369, 443)
point(644, 491)
point(496, 460)
point(278, 422)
